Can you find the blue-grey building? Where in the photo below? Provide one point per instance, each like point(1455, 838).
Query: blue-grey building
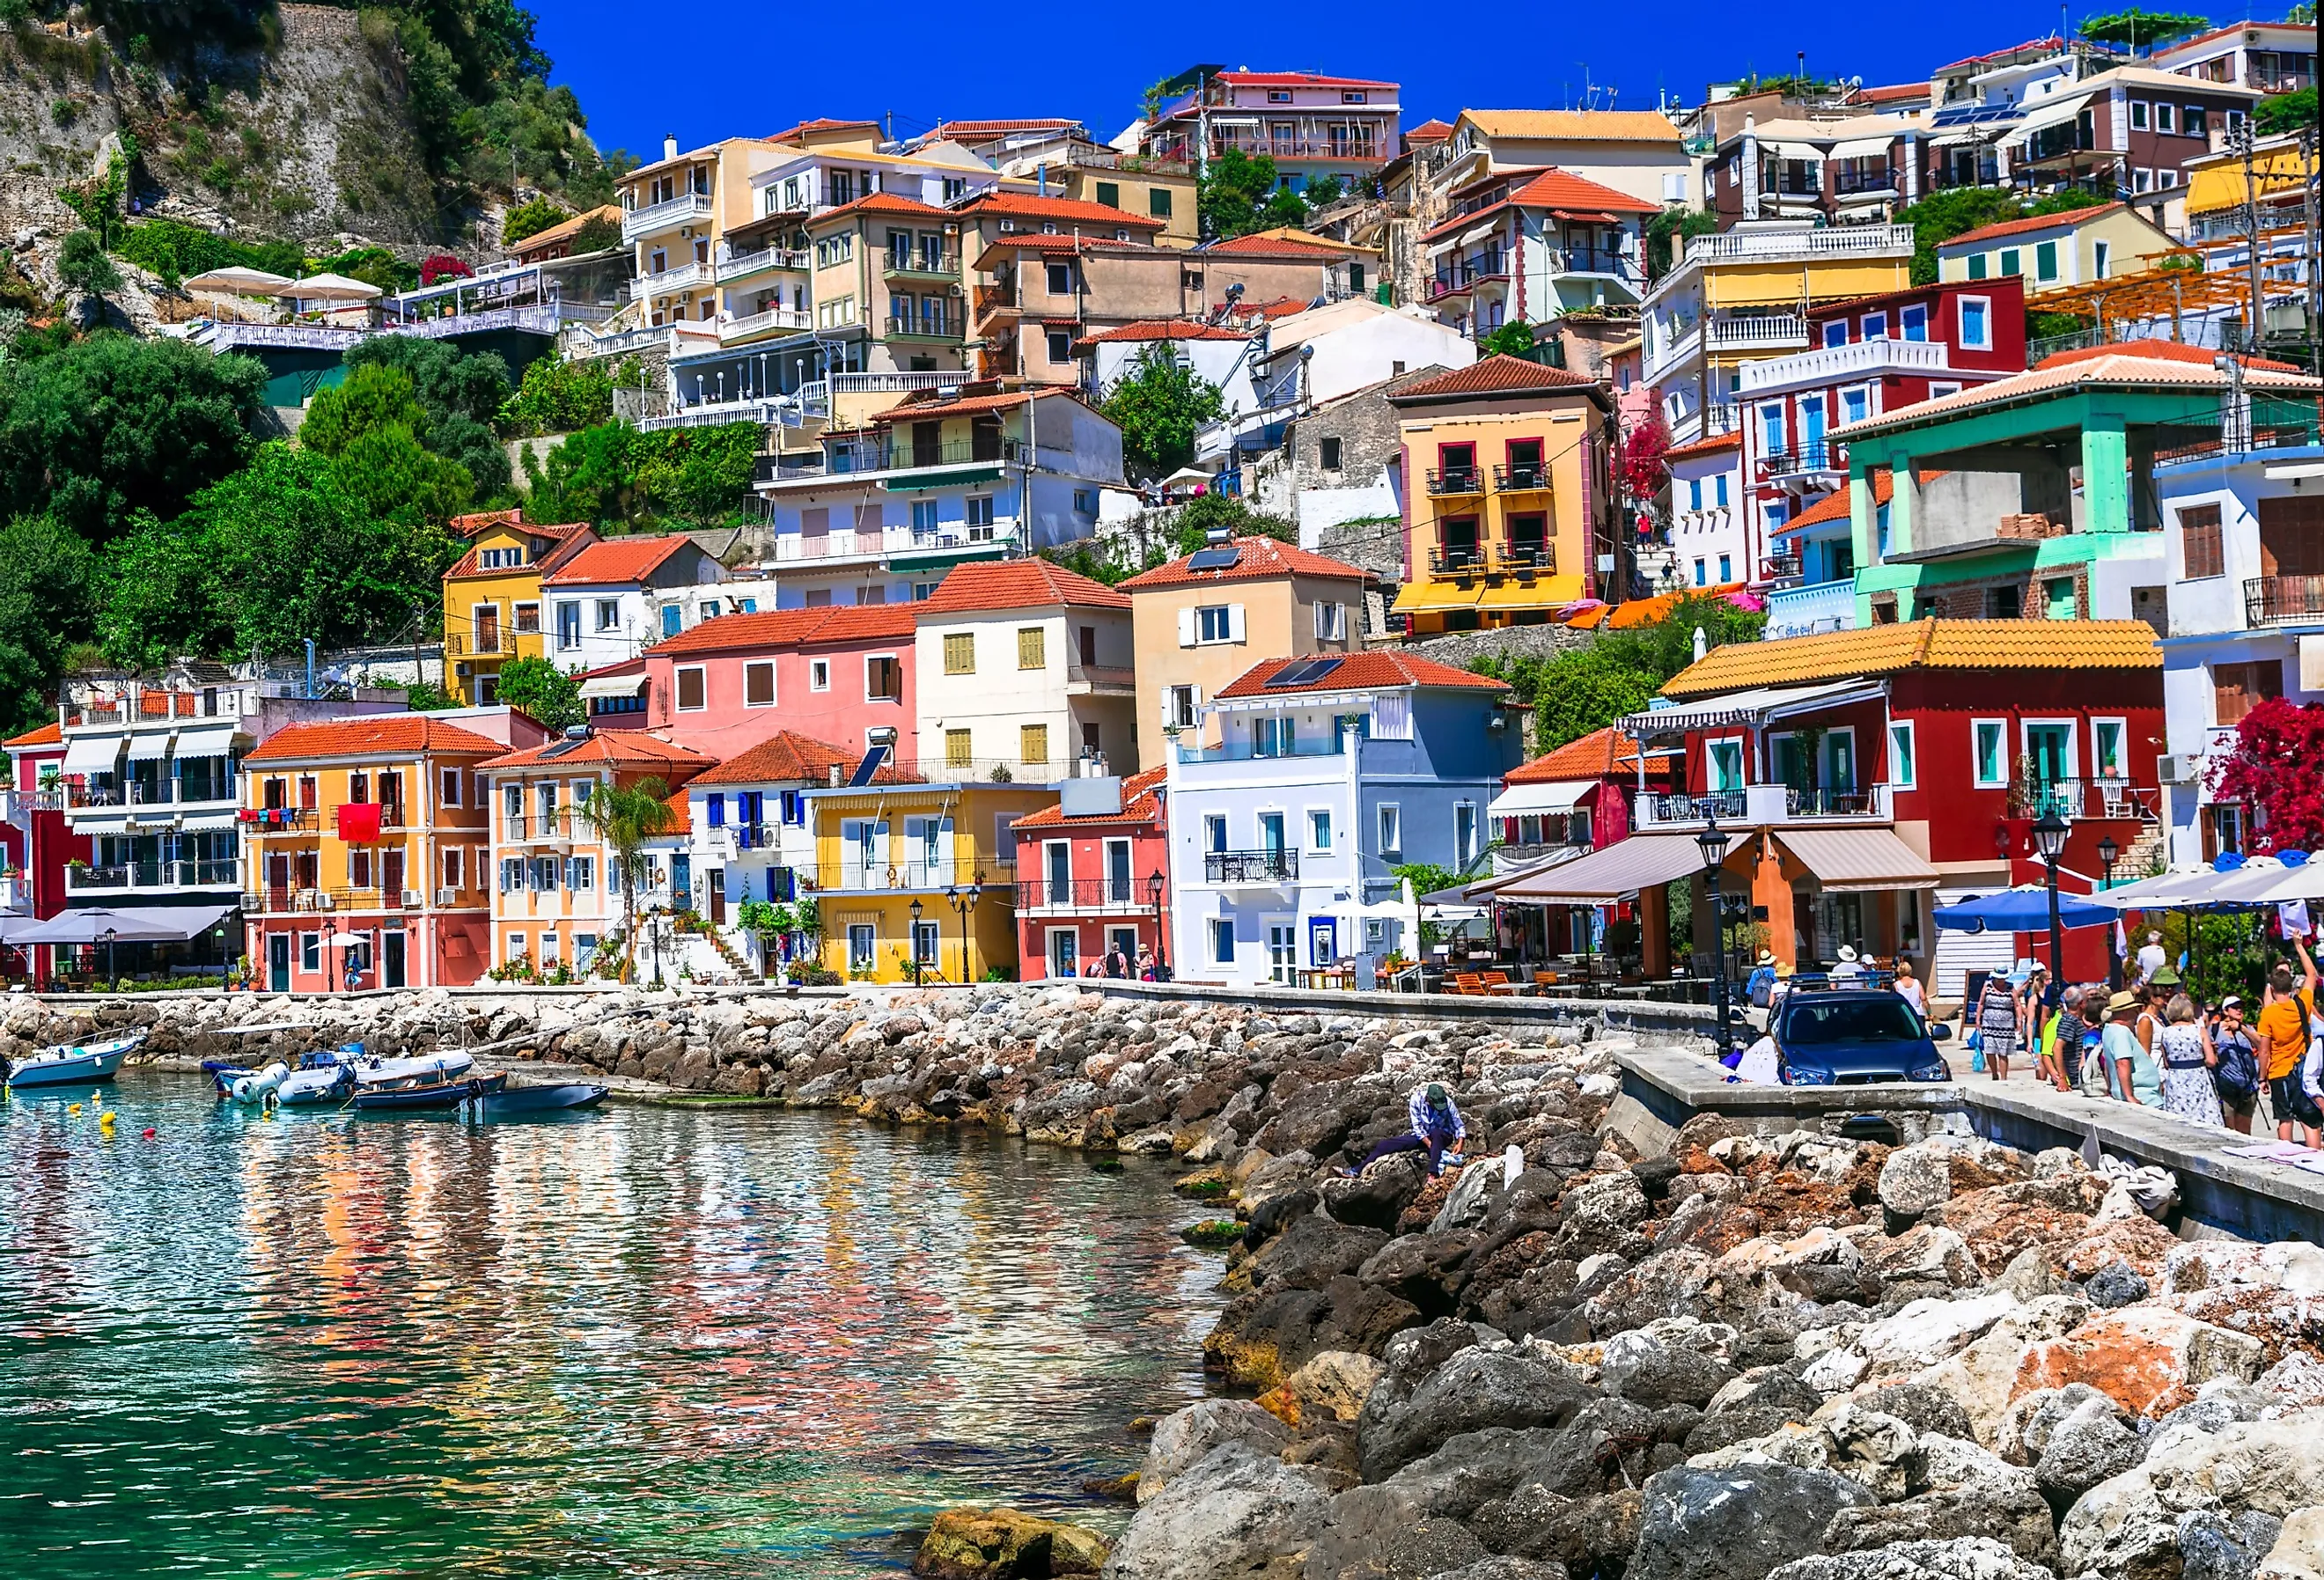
point(1331, 773)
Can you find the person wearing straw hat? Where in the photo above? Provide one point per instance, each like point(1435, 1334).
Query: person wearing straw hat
point(1997, 1024)
point(1850, 968)
point(2136, 1078)
point(1762, 980)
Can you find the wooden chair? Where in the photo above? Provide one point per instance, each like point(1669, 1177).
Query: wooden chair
point(1495, 981)
point(1543, 981)
point(1467, 984)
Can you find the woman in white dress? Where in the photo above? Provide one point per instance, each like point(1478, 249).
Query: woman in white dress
point(2183, 1049)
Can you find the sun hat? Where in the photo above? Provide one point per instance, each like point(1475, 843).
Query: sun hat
point(1848, 952)
point(1766, 958)
point(2125, 999)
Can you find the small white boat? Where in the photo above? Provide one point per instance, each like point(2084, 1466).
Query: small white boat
point(326, 1076)
point(73, 1064)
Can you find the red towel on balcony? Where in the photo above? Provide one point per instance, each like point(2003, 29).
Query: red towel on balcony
point(359, 822)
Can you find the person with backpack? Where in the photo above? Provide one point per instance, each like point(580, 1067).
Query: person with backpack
point(2283, 1048)
point(2237, 1074)
point(1761, 983)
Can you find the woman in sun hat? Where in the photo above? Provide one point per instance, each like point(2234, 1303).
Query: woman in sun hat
point(1996, 1016)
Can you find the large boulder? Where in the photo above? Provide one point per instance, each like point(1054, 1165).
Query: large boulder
point(2147, 1359)
point(1335, 1384)
point(1738, 1523)
point(2089, 1444)
point(1914, 1178)
point(1925, 1332)
point(1002, 1544)
point(2299, 1550)
point(1476, 1389)
point(1422, 1550)
point(1184, 1438)
point(2128, 1527)
point(1228, 1514)
point(1969, 1557)
point(1983, 1378)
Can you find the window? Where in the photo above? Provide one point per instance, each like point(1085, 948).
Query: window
point(1110, 194)
point(819, 674)
point(1351, 96)
point(977, 511)
point(2059, 601)
point(1771, 429)
point(1222, 931)
point(452, 867)
point(1701, 573)
point(451, 787)
point(758, 684)
point(1915, 321)
point(1032, 647)
point(1319, 831)
point(1900, 763)
point(2106, 748)
point(1719, 490)
point(1214, 623)
point(2005, 603)
point(692, 694)
point(1278, 96)
point(1975, 324)
point(1694, 493)
point(1061, 346)
point(2237, 689)
point(2101, 252)
point(1061, 278)
point(2045, 261)
point(609, 613)
point(1085, 636)
point(1330, 453)
point(1876, 326)
point(1215, 832)
point(1274, 736)
point(956, 749)
point(2138, 114)
point(1033, 742)
point(581, 873)
point(2142, 179)
point(863, 944)
point(713, 809)
point(528, 619)
point(1836, 334)
point(1990, 751)
point(1157, 202)
point(673, 619)
point(960, 652)
point(517, 946)
point(1085, 501)
point(1726, 569)
point(1330, 623)
point(310, 951)
point(2166, 117)
point(1855, 403)
point(2011, 263)
point(1723, 765)
point(1938, 391)
point(512, 875)
point(2200, 548)
point(1178, 707)
point(568, 626)
point(1391, 829)
point(883, 679)
point(1977, 265)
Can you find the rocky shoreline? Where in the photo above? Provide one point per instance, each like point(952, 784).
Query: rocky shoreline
point(1806, 1356)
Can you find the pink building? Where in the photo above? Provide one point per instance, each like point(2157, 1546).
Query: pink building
point(1316, 128)
point(841, 674)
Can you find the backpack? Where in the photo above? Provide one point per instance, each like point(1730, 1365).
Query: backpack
point(2237, 1074)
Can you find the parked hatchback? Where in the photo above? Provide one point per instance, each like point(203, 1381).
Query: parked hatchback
point(1849, 1036)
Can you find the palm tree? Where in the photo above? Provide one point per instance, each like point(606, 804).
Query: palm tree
point(624, 821)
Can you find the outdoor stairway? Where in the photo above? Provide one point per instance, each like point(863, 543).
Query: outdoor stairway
point(742, 969)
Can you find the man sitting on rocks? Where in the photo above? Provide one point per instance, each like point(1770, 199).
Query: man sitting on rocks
point(1436, 1124)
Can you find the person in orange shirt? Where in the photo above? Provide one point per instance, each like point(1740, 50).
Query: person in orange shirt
point(2284, 1052)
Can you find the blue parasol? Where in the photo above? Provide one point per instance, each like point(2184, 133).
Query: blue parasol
point(2023, 909)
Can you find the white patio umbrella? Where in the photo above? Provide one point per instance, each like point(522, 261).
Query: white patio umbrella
point(239, 281)
point(330, 288)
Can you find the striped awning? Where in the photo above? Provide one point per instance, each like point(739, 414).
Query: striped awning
point(1858, 861)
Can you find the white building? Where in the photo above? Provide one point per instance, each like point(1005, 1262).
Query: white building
point(607, 603)
point(1708, 545)
point(1349, 345)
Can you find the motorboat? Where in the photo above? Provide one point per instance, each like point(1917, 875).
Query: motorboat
point(442, 1080)
point(327, 1075)
point(561, 1097)
point(72, 1064)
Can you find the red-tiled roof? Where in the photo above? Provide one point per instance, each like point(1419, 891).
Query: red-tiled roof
point(612, 560)
point(927, 404)
point(1017, 583)
point(1260, 557)
point(563, 543)
point(1297, 79)
point(2050, 42)
point(1834, 507)
point(1167, 330)
point(820, 123)
point(469, 525)
point(1430, 131)
point(792, 628)
point(955, 130)
point(49, 734)
point(1494, 375)
point(1065, 210)
point(1562, 188)
point(614, 748)
point(682, 815)
point(392, 736)
point(1259, 246)
point(1606, 754)
point(1703, 447)
point(881, 203)
point(1138, 805)
point(2162, 351)
point(1364, 671)
point(2031, 222)
point(783, 757)
point(1893, 93)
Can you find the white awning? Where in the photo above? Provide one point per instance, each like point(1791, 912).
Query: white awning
point(1752, 707)
point(1862, 148)
point(612, 685)
point(2050, 114)
point(209, 822)
point(1524, 800)
point(206, 741)
point(92, 754)
point(1801, 150)
point(1858, 861)
point(153, 746)
point(1604, 876)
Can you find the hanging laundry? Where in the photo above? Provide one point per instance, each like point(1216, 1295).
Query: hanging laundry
point(359, 822)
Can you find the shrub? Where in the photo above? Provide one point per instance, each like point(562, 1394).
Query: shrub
point(437, 266)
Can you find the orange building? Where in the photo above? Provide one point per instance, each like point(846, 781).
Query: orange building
point(368, 843)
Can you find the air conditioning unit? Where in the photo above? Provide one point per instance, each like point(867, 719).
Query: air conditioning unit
point(414, 899)
point(325, 900)
point(447, 896)
point(2179, 768)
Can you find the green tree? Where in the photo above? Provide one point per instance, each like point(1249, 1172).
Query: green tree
point(82, 266)
point(109, 426)
point(45, 609)
point(704, 474)
point(2141, 30)
point(543, 691)
point(393, 478)
point(589, 477)
point(1206, 512)
point(460, 396)
point(624, 821)
point(558, 396)
point(1589, 687)
point(372, 397)
point(532, 218)
point(1514, 338)
point(597, 234)
point(1239, 193)
point(1159, 405)
point(2287, 112)
point(1667, 229)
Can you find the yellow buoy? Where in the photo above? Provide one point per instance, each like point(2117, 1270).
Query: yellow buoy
point(74, 1109)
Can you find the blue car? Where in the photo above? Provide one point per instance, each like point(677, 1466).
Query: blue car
point(1851, 1036)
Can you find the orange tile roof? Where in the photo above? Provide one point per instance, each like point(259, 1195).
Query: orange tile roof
point(955, 130)
point(1496, 374)
point(792, 628)
point(928, 403)
point(2031, 222)
point(2049, 41)
point(819, 124)
point(611, 561)
point(2113, 367)
point(1636, 611)
point(1835, 507)
point(1258, 246)
point(1604, 753)
point(1378, 669)
point(683, 814)
point(563, 543)
point(1704, 446)
point(1149, 329)
point(1025, 205)
point(881, 203)
point(388, 735)
point(469, 525)
point(614, 748)
point(1261, 558)
point(1017, 583)
point(1921, 644)
point(1430, 131)
point(781, 757)
point(2162, 351)
point(1138, 805)
point(1562, 188)
point(49, 734)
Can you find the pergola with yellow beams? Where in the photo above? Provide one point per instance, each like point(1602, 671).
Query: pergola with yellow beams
point(2161, 294)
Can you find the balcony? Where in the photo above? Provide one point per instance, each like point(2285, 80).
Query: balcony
point(2108, 798)
point(561, 826)
point(493, 643)
point(295, 902)
point(1878, 182)
point(925, 327)
point(685, 277)
point(1525, 558)
point(1264, 868)
point(919, 265)
point(1454, 481)
point(1828, 365)
point(1252, 752)
point(1801, 246)
point(1810, 460)
point(1109, 896)
point(683, 209)
point(1528, 477)
point(1756, 332)
point(1457, 560)
point(988, 300)
point(2284, 600)
point(257, 825)
point(913, 877)
point(743, 265)
point(1805, 611)
point(153, 875)
point(751, 325)
point(1595, 260)
point(902, 455)
point(729, 840)
point(1464, 274)
point(1764, 805)
point(1342, 151)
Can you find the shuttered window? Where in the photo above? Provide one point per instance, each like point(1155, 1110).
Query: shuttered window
point(1033, 742)
point(956, 751)
point(960, 653)
point(2199, 542)
point(759, 684)
point(1032, 648)
point(2237, 689)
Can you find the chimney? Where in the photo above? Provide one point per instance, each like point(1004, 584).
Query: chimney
point(1746, 166)
point(669, 145)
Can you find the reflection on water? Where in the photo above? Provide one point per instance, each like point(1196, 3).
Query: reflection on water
point(642, 1342)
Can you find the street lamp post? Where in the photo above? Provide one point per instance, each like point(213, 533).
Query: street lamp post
point(916, 940)
point(2108, 851)
point(963, 902)
point(1713, 842)
point(660, 937)
point(2050, 832)
point(112, 977)
point(1155, 883)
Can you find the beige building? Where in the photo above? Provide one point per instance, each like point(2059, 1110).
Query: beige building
point(1200, 623)
point(1636, 152)
point(2052, 251)
point(676, 212)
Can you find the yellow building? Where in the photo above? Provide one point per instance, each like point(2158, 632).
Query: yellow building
point(1508, 488)
point(946, 848)
point(491, 598)
point(366, 846)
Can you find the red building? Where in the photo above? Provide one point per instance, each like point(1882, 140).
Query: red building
point(1561, 806)
point(1864, 776)
point(34, 834)
point(1087, 872)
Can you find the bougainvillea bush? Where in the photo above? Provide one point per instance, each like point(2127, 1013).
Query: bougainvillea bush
point(2277, 768)
point(443, 266)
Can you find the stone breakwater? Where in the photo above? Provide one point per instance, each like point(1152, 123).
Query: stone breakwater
point(1803, 1356)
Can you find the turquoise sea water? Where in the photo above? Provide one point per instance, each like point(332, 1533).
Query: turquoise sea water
point(641, 1342)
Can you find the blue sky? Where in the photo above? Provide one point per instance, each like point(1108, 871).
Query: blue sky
point(741, 67)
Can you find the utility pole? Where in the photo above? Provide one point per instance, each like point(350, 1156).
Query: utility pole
point(2239, 138)
point(2312, 237)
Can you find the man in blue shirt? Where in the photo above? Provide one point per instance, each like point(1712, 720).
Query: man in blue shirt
point(1437, 1125)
